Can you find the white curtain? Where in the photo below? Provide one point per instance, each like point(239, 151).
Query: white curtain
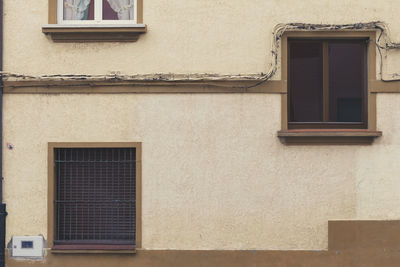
point(76, 9)
point(124, 8)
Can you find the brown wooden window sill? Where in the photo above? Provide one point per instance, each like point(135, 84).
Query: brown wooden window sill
point(93, 249)
point(328, 136)
point(94, 33)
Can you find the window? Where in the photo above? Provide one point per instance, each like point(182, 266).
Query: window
point(326, 82)
point(95, 196)
point(327, 87)
point(97, 11)
point(95, 20)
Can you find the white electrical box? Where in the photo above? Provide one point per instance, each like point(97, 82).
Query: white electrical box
point(27, 246)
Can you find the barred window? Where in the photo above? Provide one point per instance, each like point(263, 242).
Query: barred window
point(95, 196)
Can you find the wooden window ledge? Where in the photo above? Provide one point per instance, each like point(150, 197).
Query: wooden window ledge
point(93, 249)
point(94, 33)
point(328, 136)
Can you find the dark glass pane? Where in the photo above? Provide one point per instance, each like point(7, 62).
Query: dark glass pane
point(305, 74)
point(346, 82)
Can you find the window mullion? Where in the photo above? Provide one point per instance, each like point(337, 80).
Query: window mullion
point(98, 7)
point(364, 80)
point(60, 11)
point(325, 81)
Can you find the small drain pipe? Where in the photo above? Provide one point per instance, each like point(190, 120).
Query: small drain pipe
point(3, 212)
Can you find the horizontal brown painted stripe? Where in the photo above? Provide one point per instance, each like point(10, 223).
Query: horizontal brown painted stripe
point(351, 244)
point(112, 87)
point(385, 87)
point(364, 235)
point(183, 258)
point(139, 86)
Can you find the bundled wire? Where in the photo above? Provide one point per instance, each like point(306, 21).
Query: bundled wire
point(383, 43)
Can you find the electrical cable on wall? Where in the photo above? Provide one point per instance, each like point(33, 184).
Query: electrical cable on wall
point(383, 43)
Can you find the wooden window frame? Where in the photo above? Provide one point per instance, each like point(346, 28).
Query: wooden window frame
point(92, 31)
point(93, 248)
point(330, 134)
point(325, 124)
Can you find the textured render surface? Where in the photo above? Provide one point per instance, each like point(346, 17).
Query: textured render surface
point(377, 179)
point(185, 36)
point(215, 176)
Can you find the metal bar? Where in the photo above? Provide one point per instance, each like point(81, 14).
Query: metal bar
point(76, 204)
point(58, 194)
point(65, 193)
point(100, 161)
point(82, 192)
point(132, 190)
point(325, 81)
point(132, 174)
point(3, 214)
point(95, 192)
point(94, 241)
point(117, 179)
point(70, 195)
point(88, 195)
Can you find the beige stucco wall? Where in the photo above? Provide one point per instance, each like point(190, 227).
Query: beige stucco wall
point(377, 178)
point(215, 176)
point(184, 36)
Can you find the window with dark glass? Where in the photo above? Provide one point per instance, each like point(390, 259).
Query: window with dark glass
point(95, 196)
point(327, 83)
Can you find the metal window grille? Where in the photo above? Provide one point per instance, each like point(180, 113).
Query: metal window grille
point(95, 195)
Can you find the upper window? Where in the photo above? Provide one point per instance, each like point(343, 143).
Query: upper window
point(95, 20)
point(95, 193)
point(97, 11)
point(327, 83)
